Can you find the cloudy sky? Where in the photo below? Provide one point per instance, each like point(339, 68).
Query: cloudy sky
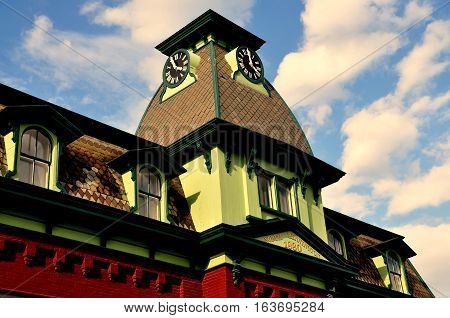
point(385, 121)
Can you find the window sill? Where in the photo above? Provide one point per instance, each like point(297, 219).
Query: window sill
point(278, 213)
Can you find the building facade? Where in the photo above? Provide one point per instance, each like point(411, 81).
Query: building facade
point(218, 194)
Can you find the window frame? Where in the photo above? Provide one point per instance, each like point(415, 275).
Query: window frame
point(35, 159)
point(275, 193)
point(337, 235)
point(290, 186)
point(400, 274)
point(148, 195)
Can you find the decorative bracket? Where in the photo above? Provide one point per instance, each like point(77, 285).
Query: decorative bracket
point(303, 183)
point(87, 267)
point(316, 195)
point(29, 255)
point(237, 273)
point(59, 261)
point(161, 282)
point(251, 164)
point(206, 155)
point(113, 271)
point(228, 162)
point(208, 162)
point(138, 277)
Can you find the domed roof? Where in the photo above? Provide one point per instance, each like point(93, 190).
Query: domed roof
point(216, 94)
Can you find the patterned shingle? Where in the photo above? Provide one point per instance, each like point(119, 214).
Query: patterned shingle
point(188, 110)
point(416, 285)
point(179, 212)
point(267, 115)
point(84, 172)
point(367, 271)
point(166, 122)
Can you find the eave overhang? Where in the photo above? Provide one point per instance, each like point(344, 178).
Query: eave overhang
point(396, 244)
point(155, 156)
point(238, 139)
point(44, 115)
point(209, 23)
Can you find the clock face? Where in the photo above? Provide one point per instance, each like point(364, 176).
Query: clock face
point(249, 64)
point(176, 68)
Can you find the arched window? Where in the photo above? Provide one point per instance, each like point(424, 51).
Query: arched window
point(149, 193)
point(335, 241)
point(35, 158)
point(395, 271)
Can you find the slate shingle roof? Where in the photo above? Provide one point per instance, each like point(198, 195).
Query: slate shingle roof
point(166, 122)
point(368, 273)
point(417, 287)
point(248, 108)
point(85, 174)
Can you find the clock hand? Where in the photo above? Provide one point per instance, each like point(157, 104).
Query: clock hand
point(250, 58)
point(173, 63)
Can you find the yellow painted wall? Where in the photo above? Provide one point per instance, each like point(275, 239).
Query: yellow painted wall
point(10, 148)
point(221, 197)
point(202, 191)
point(382, 269)
point(130, 188)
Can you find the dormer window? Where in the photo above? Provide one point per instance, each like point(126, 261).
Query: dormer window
point(336, 242)
point(35, 158)
point(395, 271)
point(149, 193)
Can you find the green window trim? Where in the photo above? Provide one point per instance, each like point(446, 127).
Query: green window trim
point(14, 140)
point(341, 239)
point(398, 272)
point(274, 193)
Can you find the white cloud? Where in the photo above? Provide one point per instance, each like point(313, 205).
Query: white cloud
point(426, 60)
point(127, 51)
point(439, 149)
point(332, 43)
point(431, 189)
point(339, 198)
point(374, 140)
point(430, 243)
point(381, 137)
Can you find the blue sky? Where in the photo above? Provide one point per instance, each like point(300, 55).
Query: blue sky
point(385, 122)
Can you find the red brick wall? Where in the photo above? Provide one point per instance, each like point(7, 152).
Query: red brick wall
point(37, 268)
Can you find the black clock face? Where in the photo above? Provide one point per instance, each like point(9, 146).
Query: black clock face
point(176, 68)
point(249, 64)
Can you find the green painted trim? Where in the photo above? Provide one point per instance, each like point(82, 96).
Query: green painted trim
point(420, 277)
point(297, 205)
point(76, 235)
point(128, 248)
point(172, 259)
point(148, 106)
point(58, 170)
point(23, 223)
point(228, 162)
point(344, 246)
point(258, 81)
point(208, 160)
point(215, 79)
point(185, 74)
